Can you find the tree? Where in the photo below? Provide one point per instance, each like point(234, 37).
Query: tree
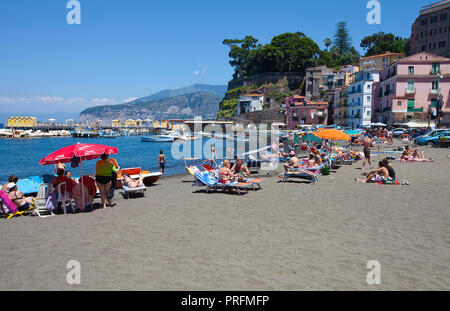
point(327, 42)
point(380, 43)
point(239, 52)
point(342, 39)
point(296, 51)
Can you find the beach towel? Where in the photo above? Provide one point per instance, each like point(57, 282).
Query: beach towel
point(51, 203)
point(6, 204)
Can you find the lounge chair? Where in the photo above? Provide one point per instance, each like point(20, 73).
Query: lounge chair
point(301, 173)
point(7, 208)
point(65, 197)
point(41, 201)
point(207, 180)
point(254, 166)
point(192, 169)
point(208, 168)
point(127, 190)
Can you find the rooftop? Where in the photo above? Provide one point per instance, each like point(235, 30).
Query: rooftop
point(384, 55)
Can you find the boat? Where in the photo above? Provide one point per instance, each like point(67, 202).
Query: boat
point(85, 133)
point(157, 139)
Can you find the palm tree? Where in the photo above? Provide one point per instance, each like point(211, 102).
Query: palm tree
point(327, 42)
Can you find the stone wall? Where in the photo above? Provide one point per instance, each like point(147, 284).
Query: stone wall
point(293, 79)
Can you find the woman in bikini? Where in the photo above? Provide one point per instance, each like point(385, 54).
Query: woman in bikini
point(19, 199)
point(129, 182)
point(225, 173)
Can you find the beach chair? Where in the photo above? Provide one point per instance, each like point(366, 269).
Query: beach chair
point(208, 168)
point(192, 169)
point(301, 173)
point(7, 208)
point(127, 190)
point(41, 201)
point(254, 182)
point(254, 166)
point(207, 180)
point(64, 198)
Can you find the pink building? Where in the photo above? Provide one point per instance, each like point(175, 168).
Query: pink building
point(302, 112)
point(410, 88)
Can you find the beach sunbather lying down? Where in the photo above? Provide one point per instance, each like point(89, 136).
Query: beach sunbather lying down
point(130, 183)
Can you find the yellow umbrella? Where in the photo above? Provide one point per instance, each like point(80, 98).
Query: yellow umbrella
point(332, 134)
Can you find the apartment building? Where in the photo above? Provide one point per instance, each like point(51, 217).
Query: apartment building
point(411, 88)
point(430, 31)
point(379, 62)
point(300, 111)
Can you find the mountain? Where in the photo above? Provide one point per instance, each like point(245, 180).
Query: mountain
point(186, 106)
point(219, 90)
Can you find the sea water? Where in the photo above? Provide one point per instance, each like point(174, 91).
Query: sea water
point(21, 156)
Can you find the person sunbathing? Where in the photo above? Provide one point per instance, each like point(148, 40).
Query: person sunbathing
point(415, 157)
point(293, 163)
point(11, 179)
point(312, 161)
point(318, 158)
point(240, 168)
point(19, 199)
point(377, 175)
point(225, 173)
point(133, 183)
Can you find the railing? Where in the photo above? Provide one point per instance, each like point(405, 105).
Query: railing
point(409, 91)
point(434, 91)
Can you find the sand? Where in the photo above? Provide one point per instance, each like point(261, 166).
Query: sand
point(292, 236)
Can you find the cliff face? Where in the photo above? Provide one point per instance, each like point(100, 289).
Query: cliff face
point(187, 106)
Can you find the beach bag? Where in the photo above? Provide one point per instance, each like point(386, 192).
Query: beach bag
point(6, 204)
point(326, 171)
point(51, 204)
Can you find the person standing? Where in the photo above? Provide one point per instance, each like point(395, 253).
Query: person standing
point(367, 144)
point(103, 177)
point(113, 178)
point(162, 161)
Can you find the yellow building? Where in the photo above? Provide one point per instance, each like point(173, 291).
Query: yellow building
point(22, 122)
point(379, 62)
point(116, 123)
point(130, 122)
point(138, 122)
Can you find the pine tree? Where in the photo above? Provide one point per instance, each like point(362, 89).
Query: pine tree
point(342, 39)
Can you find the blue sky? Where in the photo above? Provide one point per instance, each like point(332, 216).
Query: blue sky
point(133, 48)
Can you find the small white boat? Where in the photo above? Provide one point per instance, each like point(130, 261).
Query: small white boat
point(157, 139)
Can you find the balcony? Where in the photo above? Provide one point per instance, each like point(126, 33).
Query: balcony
point(435, 91)
point(410, 91)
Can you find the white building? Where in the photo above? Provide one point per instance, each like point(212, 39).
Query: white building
point(360, 98)
point(249, 103)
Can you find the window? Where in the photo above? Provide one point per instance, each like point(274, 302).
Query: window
point(433, 103)
point(368, 99)
point(410, 87)
point(436, 68)
point(411, 103)
point(443, 16)
point(399, 103)
point(442, 44)
point(424, 21)
point(423, 48)
point(411, 70)
point(435, 85)
point(434, 19)
point(368, 112)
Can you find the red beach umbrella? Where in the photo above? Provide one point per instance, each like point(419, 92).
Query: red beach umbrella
point(83, 151)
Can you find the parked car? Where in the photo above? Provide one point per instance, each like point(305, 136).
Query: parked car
point(432, 138)
point(398, 132)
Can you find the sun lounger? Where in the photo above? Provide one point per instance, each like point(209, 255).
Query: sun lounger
point(301, 173)
point(127, 190)
point(208, 167)
point(254, 182)
point(192, 169)
point(207, 180)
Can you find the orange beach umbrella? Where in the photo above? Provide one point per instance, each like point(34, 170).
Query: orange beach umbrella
point(332, 134)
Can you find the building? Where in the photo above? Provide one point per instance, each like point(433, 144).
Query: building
point(318, 81)
point(379, 62)
point(340, 108)
point(342, 79)
point(299, 112)
point(410, 89)
point(22, 122)
point(359, 100)
point(249, 103)
point(430, 31)
point(116, 123)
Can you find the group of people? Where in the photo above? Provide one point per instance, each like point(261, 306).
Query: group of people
point(238, 172)
point(314, 159)
point(384, 172)
point(415, 156)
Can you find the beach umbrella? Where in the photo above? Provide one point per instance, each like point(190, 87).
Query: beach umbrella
point(353, 133)
point(312, 138)
point(332, 134)
point(83, 152)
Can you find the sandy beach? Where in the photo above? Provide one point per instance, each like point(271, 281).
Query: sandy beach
point(287, 236)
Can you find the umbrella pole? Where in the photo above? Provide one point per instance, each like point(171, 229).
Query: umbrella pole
point(82, 182)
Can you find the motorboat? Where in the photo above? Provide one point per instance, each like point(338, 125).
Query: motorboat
point(157, 139)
